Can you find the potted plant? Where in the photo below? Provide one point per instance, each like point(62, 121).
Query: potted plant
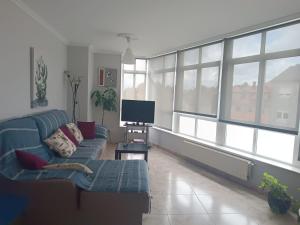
point(278, 199)
point(295, 207)
point(106, 99)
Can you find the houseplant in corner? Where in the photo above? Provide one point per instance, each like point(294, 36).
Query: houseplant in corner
point(106, 99)
point(278, 199)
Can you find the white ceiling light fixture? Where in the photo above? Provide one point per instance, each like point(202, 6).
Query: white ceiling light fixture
point(127, 56)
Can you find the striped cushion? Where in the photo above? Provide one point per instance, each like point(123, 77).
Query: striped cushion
point(50, 121)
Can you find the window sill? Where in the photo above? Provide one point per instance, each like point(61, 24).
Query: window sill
point(231, 151)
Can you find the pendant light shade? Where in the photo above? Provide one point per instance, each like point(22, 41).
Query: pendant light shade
point(127, 56)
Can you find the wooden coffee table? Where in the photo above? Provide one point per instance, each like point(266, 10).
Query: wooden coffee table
point(131, 148)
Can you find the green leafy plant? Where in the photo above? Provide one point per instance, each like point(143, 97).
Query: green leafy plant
point(106, 99)
point(278, 198)
point(295, 207)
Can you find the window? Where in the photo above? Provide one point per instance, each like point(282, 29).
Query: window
point(246, 46)
point(244, 89)
point(261, 80)
point(258, 110)
point(187, 125)
point(281, 92)
point(161, 88)
point(197, 81)
point(134, 80)
point(206, 130)
point(282, 39)
point(275, 145)
point(239, 137)
point(208, 93)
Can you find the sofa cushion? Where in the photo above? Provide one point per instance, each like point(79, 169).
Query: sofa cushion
point(75, 131)
point(22, 134)
point(50, 121)
point(99, 142)
point(69, 134)
point(91, 152)
point(60, 143)
point(101, 131)
point(30, 161)
point(88, 129)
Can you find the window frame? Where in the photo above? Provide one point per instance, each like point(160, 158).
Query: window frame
point(134, 72)
point(198, 67)
point(262, 58)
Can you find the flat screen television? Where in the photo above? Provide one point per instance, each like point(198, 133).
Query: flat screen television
point(138, 111)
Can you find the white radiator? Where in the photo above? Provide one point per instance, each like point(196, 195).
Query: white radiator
point(227, 163)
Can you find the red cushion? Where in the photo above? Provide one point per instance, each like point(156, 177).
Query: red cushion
point(88, 129)
point(30, 161)
point(68, 133)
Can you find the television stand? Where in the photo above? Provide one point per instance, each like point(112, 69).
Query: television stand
point(137, 128)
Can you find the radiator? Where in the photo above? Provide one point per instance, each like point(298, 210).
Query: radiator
point(225, 162)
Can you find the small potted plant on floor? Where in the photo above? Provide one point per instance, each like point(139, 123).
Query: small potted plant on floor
point(278, 199)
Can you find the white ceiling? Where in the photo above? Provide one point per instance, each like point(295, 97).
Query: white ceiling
point(159, 25)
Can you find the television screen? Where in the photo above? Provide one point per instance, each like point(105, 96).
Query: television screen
point(138, 111)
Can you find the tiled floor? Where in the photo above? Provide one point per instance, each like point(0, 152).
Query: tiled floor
point(184, 194)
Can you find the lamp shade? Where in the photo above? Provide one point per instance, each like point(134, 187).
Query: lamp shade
point(128, 57)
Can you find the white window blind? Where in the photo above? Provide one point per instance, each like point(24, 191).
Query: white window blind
point(261, 79)
point(197, 81)
point(161, 75)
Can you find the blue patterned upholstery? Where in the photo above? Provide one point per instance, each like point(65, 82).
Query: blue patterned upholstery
point(91, 152)
point(27, 134)
point(50, 121)
point(101, 131)
point(21, 134)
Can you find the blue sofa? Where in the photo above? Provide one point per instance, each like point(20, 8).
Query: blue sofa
point(66, 196)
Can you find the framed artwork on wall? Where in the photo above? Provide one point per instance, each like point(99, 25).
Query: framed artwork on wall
point(38, 79)
point(107, 77)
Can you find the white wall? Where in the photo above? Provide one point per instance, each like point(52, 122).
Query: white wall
point(78, 63)
point(111, 119)
point(19, 32)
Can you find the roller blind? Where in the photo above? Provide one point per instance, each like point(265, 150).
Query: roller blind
point(197, 81)
point(262, 79)
point(161, 75)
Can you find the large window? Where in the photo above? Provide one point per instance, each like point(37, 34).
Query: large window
point(261, 79)
point(161, 75)
point(198, 80)
point(134, 80)
point(241, 93)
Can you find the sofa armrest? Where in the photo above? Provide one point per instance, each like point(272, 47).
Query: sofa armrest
point(101, 131)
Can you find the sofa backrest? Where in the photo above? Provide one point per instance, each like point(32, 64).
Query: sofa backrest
point(50, 121)
point(21, 134)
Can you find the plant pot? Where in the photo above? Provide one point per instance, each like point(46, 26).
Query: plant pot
point(279, 205)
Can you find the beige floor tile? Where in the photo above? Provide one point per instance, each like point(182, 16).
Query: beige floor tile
point(170, 186)
point(155, 220)
point(232, 219)
point(183, 194)
point(176, 204)
point(190, 220)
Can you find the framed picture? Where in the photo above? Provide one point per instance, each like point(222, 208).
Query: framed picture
point(110, 77)
point(38, 79)
point(107, 77)
point(101, 77)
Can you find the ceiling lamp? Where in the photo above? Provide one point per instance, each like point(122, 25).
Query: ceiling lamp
point(127, 56)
